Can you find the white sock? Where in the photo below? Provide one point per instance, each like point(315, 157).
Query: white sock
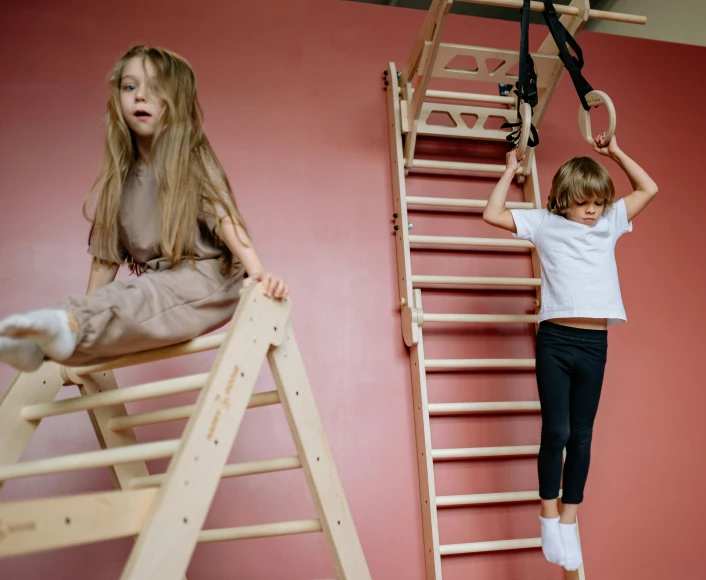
point(569, 536)
point(50, 329)
point(24, 355)
point(551, 541)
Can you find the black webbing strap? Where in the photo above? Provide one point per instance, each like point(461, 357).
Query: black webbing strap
point(526, 86)
point(573, 64)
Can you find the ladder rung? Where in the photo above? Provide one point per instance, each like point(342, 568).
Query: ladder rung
point(233, 470)
point(480, 547)
point(183, 412)
point(475, 281)
point(502, 407)
point(486, 498)
point(481, 318)
point(460, 241)
point(463, 203)
point(483, 452)
point(91, 459)
point(460, 129)
point(116, 397)
point(476, 97)
point(479, 363)
point(260, 531)
point(433, 166)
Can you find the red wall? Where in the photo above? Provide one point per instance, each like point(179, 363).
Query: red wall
point(295, 108)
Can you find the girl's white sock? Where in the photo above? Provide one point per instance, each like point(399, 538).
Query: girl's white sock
point(50, 329)
point(551, 541)
point(570, 538)
point(25, 355)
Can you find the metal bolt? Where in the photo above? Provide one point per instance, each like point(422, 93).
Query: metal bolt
point(409, 226)
point(394, 215)
point(397, 228)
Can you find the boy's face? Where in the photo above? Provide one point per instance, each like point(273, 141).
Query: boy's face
point(587, 211)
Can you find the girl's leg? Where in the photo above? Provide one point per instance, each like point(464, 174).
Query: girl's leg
point(54, 331)
point(553, 365)
point(24, 355)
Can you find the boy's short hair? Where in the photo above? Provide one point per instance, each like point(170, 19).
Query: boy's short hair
point(578, 179)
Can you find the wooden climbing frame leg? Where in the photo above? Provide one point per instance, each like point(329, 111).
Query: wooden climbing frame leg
point(168, 538)
point(316, 459)
point(26, 389)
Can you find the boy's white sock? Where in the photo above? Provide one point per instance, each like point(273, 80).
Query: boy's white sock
point(25, 355)
point(551, 541)
point(574, 557)
point(50, 329)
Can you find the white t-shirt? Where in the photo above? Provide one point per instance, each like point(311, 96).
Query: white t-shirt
point(579, 272)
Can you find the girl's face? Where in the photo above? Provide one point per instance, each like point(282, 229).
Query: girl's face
point(587, 211)
point(141, 106)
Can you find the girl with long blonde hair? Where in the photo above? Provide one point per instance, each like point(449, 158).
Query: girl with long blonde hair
point(164, 207)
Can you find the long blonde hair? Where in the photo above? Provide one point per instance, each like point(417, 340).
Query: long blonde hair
point(192, 181)
point(578, 179)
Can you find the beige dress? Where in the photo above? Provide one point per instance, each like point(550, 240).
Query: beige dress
point(163, 305)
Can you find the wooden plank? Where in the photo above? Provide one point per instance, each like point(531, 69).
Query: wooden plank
point(167, 541)
point(544, 64)
point(317, 461)
point(44, 524)
point(425, 462)
point(497, 546)
point(26, 389)
point(399, 203)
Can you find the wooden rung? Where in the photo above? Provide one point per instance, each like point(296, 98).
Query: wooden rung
point(482, 318)
point(432, 166)
point(460, 241)
point(462, 203)
point(484, 452)
point(486, 498)
point(480, 547)
point(91, 459)
point(474, 281)
point(260, 531)
point(479, 363)
point(569, 10)
point(201, 344)
point(116, 397)
point(502, 407)
point(234, 470)
point(475, 97)
point(177, 413)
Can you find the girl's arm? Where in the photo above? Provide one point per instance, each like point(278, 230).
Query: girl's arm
point(101, 275)
point(644, 187)
point(242, 247)
point(495, 212)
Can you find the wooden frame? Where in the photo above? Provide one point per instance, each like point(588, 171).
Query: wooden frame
point(166, 512)
point(432, 58)
point(410, 103)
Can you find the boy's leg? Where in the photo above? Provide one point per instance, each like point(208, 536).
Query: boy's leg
point(553, 359)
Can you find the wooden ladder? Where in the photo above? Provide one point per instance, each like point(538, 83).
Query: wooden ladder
point(411, 103)
point(167, 511)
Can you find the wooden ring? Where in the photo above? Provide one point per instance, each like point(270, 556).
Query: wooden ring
point(595, 99)
point(525, 130)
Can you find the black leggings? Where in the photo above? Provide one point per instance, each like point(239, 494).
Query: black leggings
point(570, 366)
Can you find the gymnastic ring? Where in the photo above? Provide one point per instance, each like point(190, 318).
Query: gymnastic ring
point(595, 99)
point(525, 130)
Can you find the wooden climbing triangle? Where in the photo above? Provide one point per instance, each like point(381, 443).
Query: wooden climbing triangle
point(166, 512)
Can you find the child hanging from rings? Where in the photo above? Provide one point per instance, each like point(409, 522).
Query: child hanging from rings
point(575, 237)
point(165, 207)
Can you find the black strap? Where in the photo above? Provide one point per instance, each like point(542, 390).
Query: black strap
point(526, 86)
point(573, 64)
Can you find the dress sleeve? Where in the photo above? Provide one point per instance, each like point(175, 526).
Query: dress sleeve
point(528, 223)
point(94, 251)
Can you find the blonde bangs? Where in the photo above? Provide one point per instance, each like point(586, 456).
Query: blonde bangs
point(577, 180)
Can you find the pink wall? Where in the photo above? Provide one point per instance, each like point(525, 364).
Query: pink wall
point(295, 109)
